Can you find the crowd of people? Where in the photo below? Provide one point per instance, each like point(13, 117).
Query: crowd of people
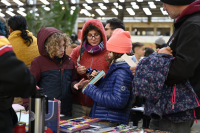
point(166, 81)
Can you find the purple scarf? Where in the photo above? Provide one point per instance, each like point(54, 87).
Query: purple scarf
point(93, 49)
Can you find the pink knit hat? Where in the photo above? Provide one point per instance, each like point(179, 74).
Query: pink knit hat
point(120, 42)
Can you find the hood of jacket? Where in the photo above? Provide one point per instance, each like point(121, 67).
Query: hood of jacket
point(192, 8)
point(42, 35)
point(97, 24)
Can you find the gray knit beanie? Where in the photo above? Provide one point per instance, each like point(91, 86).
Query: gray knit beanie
point(178, 2)
point(160, 40)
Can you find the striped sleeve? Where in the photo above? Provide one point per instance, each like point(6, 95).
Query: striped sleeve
point(4, 45)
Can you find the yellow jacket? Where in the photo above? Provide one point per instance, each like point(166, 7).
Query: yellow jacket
point(22, 51)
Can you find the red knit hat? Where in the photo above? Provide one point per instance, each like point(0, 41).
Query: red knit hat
point(120, 42)
point(42, 35)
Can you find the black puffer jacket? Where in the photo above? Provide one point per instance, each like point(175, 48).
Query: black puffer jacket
point(185, 43)
point(15, 81)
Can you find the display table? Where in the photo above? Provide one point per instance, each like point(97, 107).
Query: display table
point(111, 127)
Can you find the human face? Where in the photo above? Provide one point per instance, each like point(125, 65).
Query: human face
point(93, 37)
point(109, 31)
point(110, 54)
point(61, 49)
point(172, 10)
point(140, 51)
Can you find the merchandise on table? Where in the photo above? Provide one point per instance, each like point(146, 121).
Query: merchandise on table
point(133, 129)
point(104, 124)
point(85, 120)
point(52, 119)
point(67, 126)
point(97, 130)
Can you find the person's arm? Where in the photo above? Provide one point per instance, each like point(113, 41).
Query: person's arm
point(118, 98)
point(15, 77)
point(75, 54)
point(187, 55)
point(75, 79)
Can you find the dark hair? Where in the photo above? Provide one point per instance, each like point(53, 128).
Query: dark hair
point(18, 22)
point(3, 28)
point(136, 44)
point(89, 28)
point(104, 24)
point(148, 51)
point(74, 37)
point(114, 58)
point(115, 23)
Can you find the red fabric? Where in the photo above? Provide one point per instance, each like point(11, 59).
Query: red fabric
point(42, 35)
point(97, 24)
point(99, 63)
point(93, 61)
point(192, 8)
point(44, 63)
point(5, 49)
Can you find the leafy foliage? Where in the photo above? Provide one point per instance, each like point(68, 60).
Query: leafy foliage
point(59, 17)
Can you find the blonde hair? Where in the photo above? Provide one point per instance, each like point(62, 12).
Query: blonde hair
point(53, 41)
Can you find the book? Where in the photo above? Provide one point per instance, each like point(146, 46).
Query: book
point(95, 79)
point(69, 126)
point(97, 130)
point(104, 124)
point(141, 109)
point(100, 127)
point(84, 120)
point(52, 119)
point(128, 60)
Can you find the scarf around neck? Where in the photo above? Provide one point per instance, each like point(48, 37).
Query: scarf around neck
point(93, 49)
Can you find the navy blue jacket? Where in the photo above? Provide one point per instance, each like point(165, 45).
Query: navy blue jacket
point(113, 97)
point(56, 79)
point(54, 75)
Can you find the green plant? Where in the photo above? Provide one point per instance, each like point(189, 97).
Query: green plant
point(34, 22)
point(59, 17)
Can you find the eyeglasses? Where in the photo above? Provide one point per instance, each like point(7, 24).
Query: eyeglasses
point(95, 36)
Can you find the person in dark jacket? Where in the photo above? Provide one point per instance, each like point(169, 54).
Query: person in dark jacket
point(113, 97)
point(15, 81)
point(185, 46)
point(54, 70)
